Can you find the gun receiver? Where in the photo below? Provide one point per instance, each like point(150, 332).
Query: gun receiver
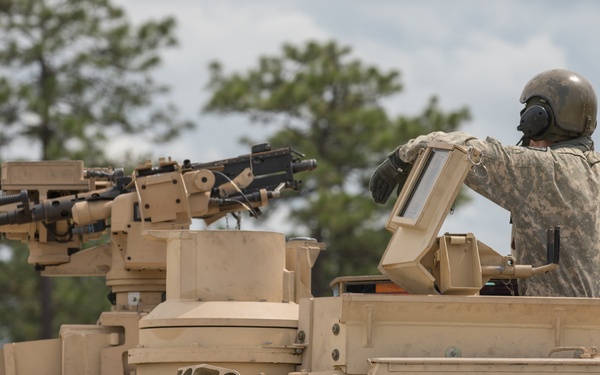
point(270, 169)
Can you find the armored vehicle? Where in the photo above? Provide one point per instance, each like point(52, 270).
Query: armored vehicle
point(191, 302)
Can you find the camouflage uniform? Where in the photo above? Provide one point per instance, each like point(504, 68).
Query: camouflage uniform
point(542, 188)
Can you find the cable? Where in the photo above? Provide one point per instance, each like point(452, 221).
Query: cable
point(237, 188)
point(68, 234)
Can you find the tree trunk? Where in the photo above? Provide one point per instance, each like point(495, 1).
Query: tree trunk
point(47, 309)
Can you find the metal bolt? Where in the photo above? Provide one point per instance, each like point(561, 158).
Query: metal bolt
point(335, 329)
point(301, 336)
point(335, 354)
point(453, 352)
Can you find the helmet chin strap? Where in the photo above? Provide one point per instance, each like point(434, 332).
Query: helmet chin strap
point(524, 141)
point(582, 143)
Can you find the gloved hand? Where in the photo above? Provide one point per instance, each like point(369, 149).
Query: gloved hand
point(389, 174)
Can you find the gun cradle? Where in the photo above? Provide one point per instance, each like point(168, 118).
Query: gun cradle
point(61, 206)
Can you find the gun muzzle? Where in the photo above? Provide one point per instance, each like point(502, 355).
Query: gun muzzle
point(22, 197)
point(304, 165)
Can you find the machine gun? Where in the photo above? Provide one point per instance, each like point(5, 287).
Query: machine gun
point(58, 206)
point(246, 179)
point(270, 168)
point(242, 179)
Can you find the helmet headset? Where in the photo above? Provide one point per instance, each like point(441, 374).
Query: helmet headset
point(559, 104)
point(536, 120)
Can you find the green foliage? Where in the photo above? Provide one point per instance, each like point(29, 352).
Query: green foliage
point(73, 74)
point(329, 107)
point(18, 279)
point(76, 300)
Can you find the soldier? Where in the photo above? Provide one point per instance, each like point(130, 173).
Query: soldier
point(552, 179)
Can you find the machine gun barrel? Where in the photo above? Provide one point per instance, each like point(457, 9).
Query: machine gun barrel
point(270, 168)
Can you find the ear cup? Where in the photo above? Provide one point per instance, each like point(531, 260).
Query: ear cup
point(535, 121)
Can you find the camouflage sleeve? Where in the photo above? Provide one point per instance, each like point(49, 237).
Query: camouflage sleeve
point(505, 173)
point(408, 152)
point(512, 176)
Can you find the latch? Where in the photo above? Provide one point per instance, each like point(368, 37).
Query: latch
point(579, 351)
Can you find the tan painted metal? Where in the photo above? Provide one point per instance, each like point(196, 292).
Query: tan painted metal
point(433, 329)
point(229, 302)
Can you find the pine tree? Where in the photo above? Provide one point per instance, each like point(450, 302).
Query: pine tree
point(330, 107)
point(74, 74)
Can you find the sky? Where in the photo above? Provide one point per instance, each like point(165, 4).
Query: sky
point(469, 53)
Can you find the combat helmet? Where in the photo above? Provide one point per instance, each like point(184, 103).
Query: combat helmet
point(560, 104)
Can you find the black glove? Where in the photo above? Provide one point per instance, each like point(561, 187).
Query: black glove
point(389, 174)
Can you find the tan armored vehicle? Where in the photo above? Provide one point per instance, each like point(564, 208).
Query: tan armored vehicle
point(210, 302)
